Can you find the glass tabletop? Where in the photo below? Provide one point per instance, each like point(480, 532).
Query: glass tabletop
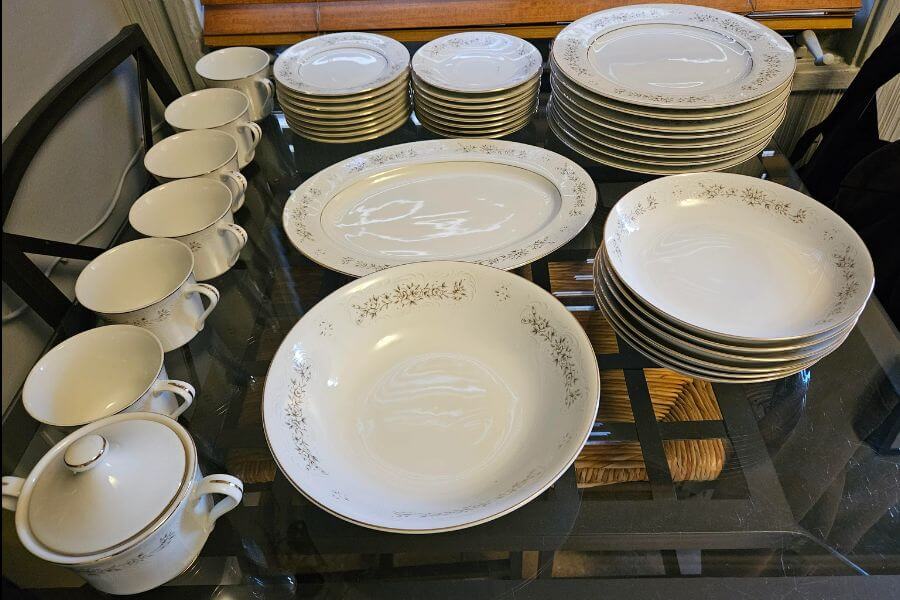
point(765, 490)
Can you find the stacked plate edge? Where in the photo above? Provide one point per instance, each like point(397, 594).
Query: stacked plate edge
point(344, 87)
point(730, 278)
point(476, 84)
point(665, 89)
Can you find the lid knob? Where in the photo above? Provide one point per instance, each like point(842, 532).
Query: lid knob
point(84, 453)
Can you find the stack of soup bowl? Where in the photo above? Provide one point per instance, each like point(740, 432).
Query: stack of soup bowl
point(344, 87)
point(106, 392)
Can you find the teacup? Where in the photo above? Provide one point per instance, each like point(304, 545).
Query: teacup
point(241, 68)
point(200, 153)
point(149, 283)
point(222, 109)
point(101, 372)
point(196, 212)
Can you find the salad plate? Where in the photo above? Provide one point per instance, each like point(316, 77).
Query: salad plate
point(497, 203)
point(430, 397)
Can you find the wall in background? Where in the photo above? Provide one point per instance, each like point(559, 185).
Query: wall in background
point(73, 178)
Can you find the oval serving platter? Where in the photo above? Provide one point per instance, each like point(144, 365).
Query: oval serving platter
point(496, 203)
point(430, 397)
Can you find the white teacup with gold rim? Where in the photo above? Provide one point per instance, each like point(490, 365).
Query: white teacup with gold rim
point(196, 212)
point(149, 283)
point(241, 68)
point(101, 372)
point(221, 109)
point(199, 153)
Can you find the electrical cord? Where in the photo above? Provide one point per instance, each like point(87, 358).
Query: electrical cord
point(15, 314)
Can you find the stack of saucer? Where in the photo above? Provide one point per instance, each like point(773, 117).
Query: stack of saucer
point(476, 84)
point(344, 87)
point(730, 278)
point(668, 89)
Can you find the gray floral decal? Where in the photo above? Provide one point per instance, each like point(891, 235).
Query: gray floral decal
point(162, 314)
point(295, 412)
point(562, 349)
point(512, 489)
point(624, 221)
point(846, 266)
point(413, 293)
point(164, 541)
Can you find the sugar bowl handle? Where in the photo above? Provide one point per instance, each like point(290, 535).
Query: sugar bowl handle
point(12, 487)
point(225, 485)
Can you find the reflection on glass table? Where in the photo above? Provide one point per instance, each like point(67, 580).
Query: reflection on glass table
point(684, 488)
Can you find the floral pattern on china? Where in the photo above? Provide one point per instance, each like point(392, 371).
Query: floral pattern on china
point(771, 57)
point(313, 236)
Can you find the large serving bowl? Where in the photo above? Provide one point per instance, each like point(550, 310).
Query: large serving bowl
point(430, 397)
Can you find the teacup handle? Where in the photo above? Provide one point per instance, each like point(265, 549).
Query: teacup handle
point(252, 131)
point(12, 487)
point(211, 293)
point(226, 485)
point(182, 389)
point(238, 232)
point(268, 88)
point(241, 183)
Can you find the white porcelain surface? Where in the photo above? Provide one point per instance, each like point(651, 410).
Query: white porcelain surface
point(340, 64)
point(739, 257)
point(673, 55)
point(133, 515)
point(498, 203)
point(149, 283)
point(196, 212)
point(430, 397)
point(218, 108)
point(477, 61)
point(241, 68)
point(101, 372)
point(199, 153)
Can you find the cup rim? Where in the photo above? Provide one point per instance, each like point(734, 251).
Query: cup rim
point(245, 111)
point(148, 304)
point(189, 132)
point(71, 341)
point(198, 65)
point(143, 196)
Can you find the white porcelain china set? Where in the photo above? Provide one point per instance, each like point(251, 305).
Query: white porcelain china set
point(476, 84)
point(665, 89)
point(344, 87)
point(730, 278)
point(121, 502)
point(244, 69)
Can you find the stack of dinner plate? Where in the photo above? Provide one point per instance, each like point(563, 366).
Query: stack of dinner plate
point(476, 84)
point(666, 89)
point(730, 278)
point(344, 87)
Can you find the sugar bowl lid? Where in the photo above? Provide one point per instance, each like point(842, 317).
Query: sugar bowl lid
point(108, 483)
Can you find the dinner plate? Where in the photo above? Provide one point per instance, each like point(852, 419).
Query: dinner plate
point(497, 203)
point(430, 397)
point(710, 150)
point(341, 64)
point(738, 258)
point(637, 309)
point(654, 124)
point(477, 62)
point(641, 167)
point(673, 56)
point(666, 113)
point(771, 360)
point(685, 163)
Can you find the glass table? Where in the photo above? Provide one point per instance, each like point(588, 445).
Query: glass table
point(800, 505)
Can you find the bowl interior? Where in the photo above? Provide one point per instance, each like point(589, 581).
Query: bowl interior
point(430, 400)
point(92, 375)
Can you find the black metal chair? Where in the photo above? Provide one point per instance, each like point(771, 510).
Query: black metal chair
point(20, 147)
